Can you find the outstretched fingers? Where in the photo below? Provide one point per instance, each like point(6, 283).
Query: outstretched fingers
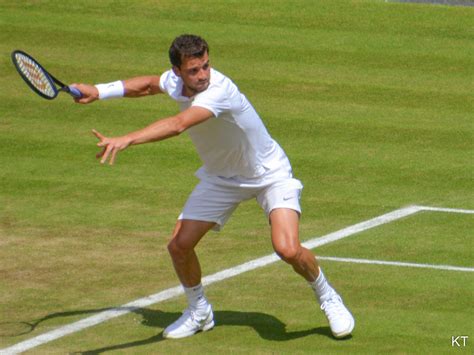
point(105, 145)
point(106, 154)
point(98, 135)
point(110, 147)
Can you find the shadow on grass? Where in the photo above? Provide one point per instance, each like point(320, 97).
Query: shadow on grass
point(267, 326)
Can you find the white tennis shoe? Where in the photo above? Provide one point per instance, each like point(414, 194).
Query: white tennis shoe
point(340, 319)
point(189, 324)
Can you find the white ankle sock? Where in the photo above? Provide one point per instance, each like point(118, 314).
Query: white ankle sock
point(196, 299)
point(322, 289)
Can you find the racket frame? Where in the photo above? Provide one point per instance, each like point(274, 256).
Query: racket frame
point(49, 77)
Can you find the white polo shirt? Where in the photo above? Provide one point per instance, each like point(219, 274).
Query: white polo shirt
point(233, 143)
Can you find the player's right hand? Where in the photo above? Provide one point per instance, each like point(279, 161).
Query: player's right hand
point(89, 93)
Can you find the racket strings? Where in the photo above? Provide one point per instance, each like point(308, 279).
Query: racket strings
point(35, 75)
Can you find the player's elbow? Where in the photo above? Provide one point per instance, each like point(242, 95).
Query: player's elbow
point(188, 118)
point(179, 125)
point(154, 85)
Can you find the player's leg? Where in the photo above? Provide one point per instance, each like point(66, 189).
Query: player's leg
point(208, 207)
point(198, 316)
point(285, 240)
point(186, 235)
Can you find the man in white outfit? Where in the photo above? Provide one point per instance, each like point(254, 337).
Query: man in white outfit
point(240, 161)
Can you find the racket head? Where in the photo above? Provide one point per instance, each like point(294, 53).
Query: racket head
point(37, 78)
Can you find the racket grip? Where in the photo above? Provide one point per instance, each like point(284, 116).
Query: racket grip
point(74, 92)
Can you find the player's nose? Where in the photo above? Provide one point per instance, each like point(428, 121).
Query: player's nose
point(202, 76)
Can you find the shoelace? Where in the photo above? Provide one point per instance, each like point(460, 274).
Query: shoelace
point(187, 317)
point(332, 307)
point(189, 314)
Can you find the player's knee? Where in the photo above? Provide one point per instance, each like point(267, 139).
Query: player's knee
point(289, 254)
point(177, 249)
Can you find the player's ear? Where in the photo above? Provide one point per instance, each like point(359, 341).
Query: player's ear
point(176, 70)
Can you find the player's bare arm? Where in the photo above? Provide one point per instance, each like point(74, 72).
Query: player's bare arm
point(159, 130)
point(142, 86)
point(134, 87)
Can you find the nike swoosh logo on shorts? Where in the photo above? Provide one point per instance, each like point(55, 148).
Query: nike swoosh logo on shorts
point(286, 198)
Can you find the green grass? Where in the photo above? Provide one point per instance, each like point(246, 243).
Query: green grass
point(372, 101)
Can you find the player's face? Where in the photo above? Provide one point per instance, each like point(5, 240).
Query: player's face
point(196, 73)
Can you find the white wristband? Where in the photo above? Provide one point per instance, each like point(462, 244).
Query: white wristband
point(110, 90)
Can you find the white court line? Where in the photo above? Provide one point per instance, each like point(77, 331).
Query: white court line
point(449, 210)
point(359, 227)
point(397, 263)
point(208, 280)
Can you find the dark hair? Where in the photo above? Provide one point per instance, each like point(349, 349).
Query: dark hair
point(187, 46)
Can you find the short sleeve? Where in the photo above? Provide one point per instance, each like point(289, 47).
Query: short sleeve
point(171, 84)
point(214, 99)
point(164, 78)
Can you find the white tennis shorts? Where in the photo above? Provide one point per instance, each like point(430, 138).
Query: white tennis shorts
point(214, 200)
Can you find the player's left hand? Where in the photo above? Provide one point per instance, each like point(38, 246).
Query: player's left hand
point(110, 146)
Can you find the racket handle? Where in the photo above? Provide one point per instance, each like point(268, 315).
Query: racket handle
point(74, 92)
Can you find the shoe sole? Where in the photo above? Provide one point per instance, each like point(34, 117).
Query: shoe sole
point(205, 328)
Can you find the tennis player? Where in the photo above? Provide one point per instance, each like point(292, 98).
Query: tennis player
point(241, 161)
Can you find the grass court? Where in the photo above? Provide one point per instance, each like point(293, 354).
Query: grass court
point(371, 100)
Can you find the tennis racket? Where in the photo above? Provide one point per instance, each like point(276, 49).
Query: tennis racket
point(38, 79)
